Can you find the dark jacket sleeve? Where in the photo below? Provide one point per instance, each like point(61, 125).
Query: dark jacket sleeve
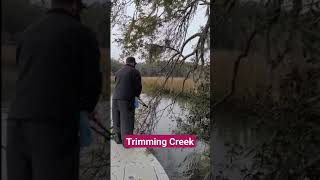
point(138, 84)
point(91, 82)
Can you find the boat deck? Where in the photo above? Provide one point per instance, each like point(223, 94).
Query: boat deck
point(134, 164)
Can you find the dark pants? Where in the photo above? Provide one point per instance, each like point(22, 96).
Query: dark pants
point(123, 118)
point(42, 150)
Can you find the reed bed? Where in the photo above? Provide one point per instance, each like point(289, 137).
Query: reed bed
point(173, 85)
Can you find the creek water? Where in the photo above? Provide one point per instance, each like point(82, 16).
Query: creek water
point(233, 129)
point(234, 135)
point(166, 117)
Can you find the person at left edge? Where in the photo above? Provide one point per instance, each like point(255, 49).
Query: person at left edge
point(58, 77)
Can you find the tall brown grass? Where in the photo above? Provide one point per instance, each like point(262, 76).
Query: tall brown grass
point(173, 85)
point(253, 78)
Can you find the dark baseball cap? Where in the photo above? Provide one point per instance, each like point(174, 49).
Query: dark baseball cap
point(131, 60)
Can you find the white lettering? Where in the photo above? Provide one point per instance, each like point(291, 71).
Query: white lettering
point(191, 142)
point(160, 142)
point(164, 143)
point(128, 139)
point(172, 141)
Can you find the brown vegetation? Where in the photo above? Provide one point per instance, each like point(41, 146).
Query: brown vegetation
point(253, 78)
point(173, 85)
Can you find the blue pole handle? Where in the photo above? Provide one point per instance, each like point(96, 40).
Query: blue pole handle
point(136, 103)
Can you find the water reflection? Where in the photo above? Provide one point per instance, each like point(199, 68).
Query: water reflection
point(234, 136)
point(164, 118)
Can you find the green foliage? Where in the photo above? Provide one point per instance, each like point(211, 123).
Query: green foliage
point(163, 23)
point(138, 29)
point(115, 66)
point(198, 106)
point(198, 121)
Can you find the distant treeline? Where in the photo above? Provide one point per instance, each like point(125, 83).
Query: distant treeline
point(18, 14)
point(158, 68)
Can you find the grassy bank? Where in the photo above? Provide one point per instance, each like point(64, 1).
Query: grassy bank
point(172, 86)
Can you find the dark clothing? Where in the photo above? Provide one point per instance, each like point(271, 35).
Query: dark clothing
point(58, 76)
point(58, 69)
point(123, 118)
point(128, 84)
point(42, 150)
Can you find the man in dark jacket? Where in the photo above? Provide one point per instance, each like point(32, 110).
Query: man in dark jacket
point(128, 86)
point(58, 76)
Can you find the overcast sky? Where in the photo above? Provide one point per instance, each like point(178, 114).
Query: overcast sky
point(199, 20)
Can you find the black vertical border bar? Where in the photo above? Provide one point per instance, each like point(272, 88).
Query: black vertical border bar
point(2, 147)
point(108, 7)
point(211, 16)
